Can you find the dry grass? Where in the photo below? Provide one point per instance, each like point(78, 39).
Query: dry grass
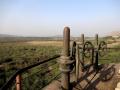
point(114, 44)
point(46, 43)
point(60, 43)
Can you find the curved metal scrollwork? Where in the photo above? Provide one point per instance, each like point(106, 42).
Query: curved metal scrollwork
point(73, 53)
point(102, 48)
point(87, 49)
point(73, 50)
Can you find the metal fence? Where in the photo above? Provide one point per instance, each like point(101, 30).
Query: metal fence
point(26, 79)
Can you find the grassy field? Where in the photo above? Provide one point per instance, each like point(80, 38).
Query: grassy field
point(112, 55)
point(16, 55)
point(31, 50)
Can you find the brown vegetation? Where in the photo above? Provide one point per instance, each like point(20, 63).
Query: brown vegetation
point(45, 43)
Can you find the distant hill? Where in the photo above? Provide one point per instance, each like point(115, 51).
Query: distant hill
point(114, 34)
point(15, 38)
point(6, 35)
point(57, 36)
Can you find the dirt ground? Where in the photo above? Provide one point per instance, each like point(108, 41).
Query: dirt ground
point(104, 79)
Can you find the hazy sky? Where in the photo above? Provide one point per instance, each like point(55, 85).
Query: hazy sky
point(48, 17)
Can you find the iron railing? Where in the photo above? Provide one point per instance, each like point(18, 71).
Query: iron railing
point(16, 77)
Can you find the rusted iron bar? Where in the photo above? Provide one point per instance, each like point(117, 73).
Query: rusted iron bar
point(96, 60)
point(92, 60)
point(77, 62)
point(2, 75)
point(65, 79)
point(20, 71)
point(66, 41)
point(65, 60)
point(83, 41)
point(107, 48)
point(18, 82)
point(96, 52)
point(96, 40)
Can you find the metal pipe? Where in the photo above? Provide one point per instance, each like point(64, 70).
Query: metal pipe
point(82, 57)
point(96, 51)
point(18, 82)
point(66, 41)
point(92, 61)
point(82, 39)
point(65, 60)
point(77, 62)
point(96, 39)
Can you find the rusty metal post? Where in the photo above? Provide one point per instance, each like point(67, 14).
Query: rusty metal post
point(65, 61)
point(18, 82)
point(92, 62)
point(2, 75)
point(96, 51)
point(77, 62)
point(66, 41)
point(96, 39)
point(83, 41)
